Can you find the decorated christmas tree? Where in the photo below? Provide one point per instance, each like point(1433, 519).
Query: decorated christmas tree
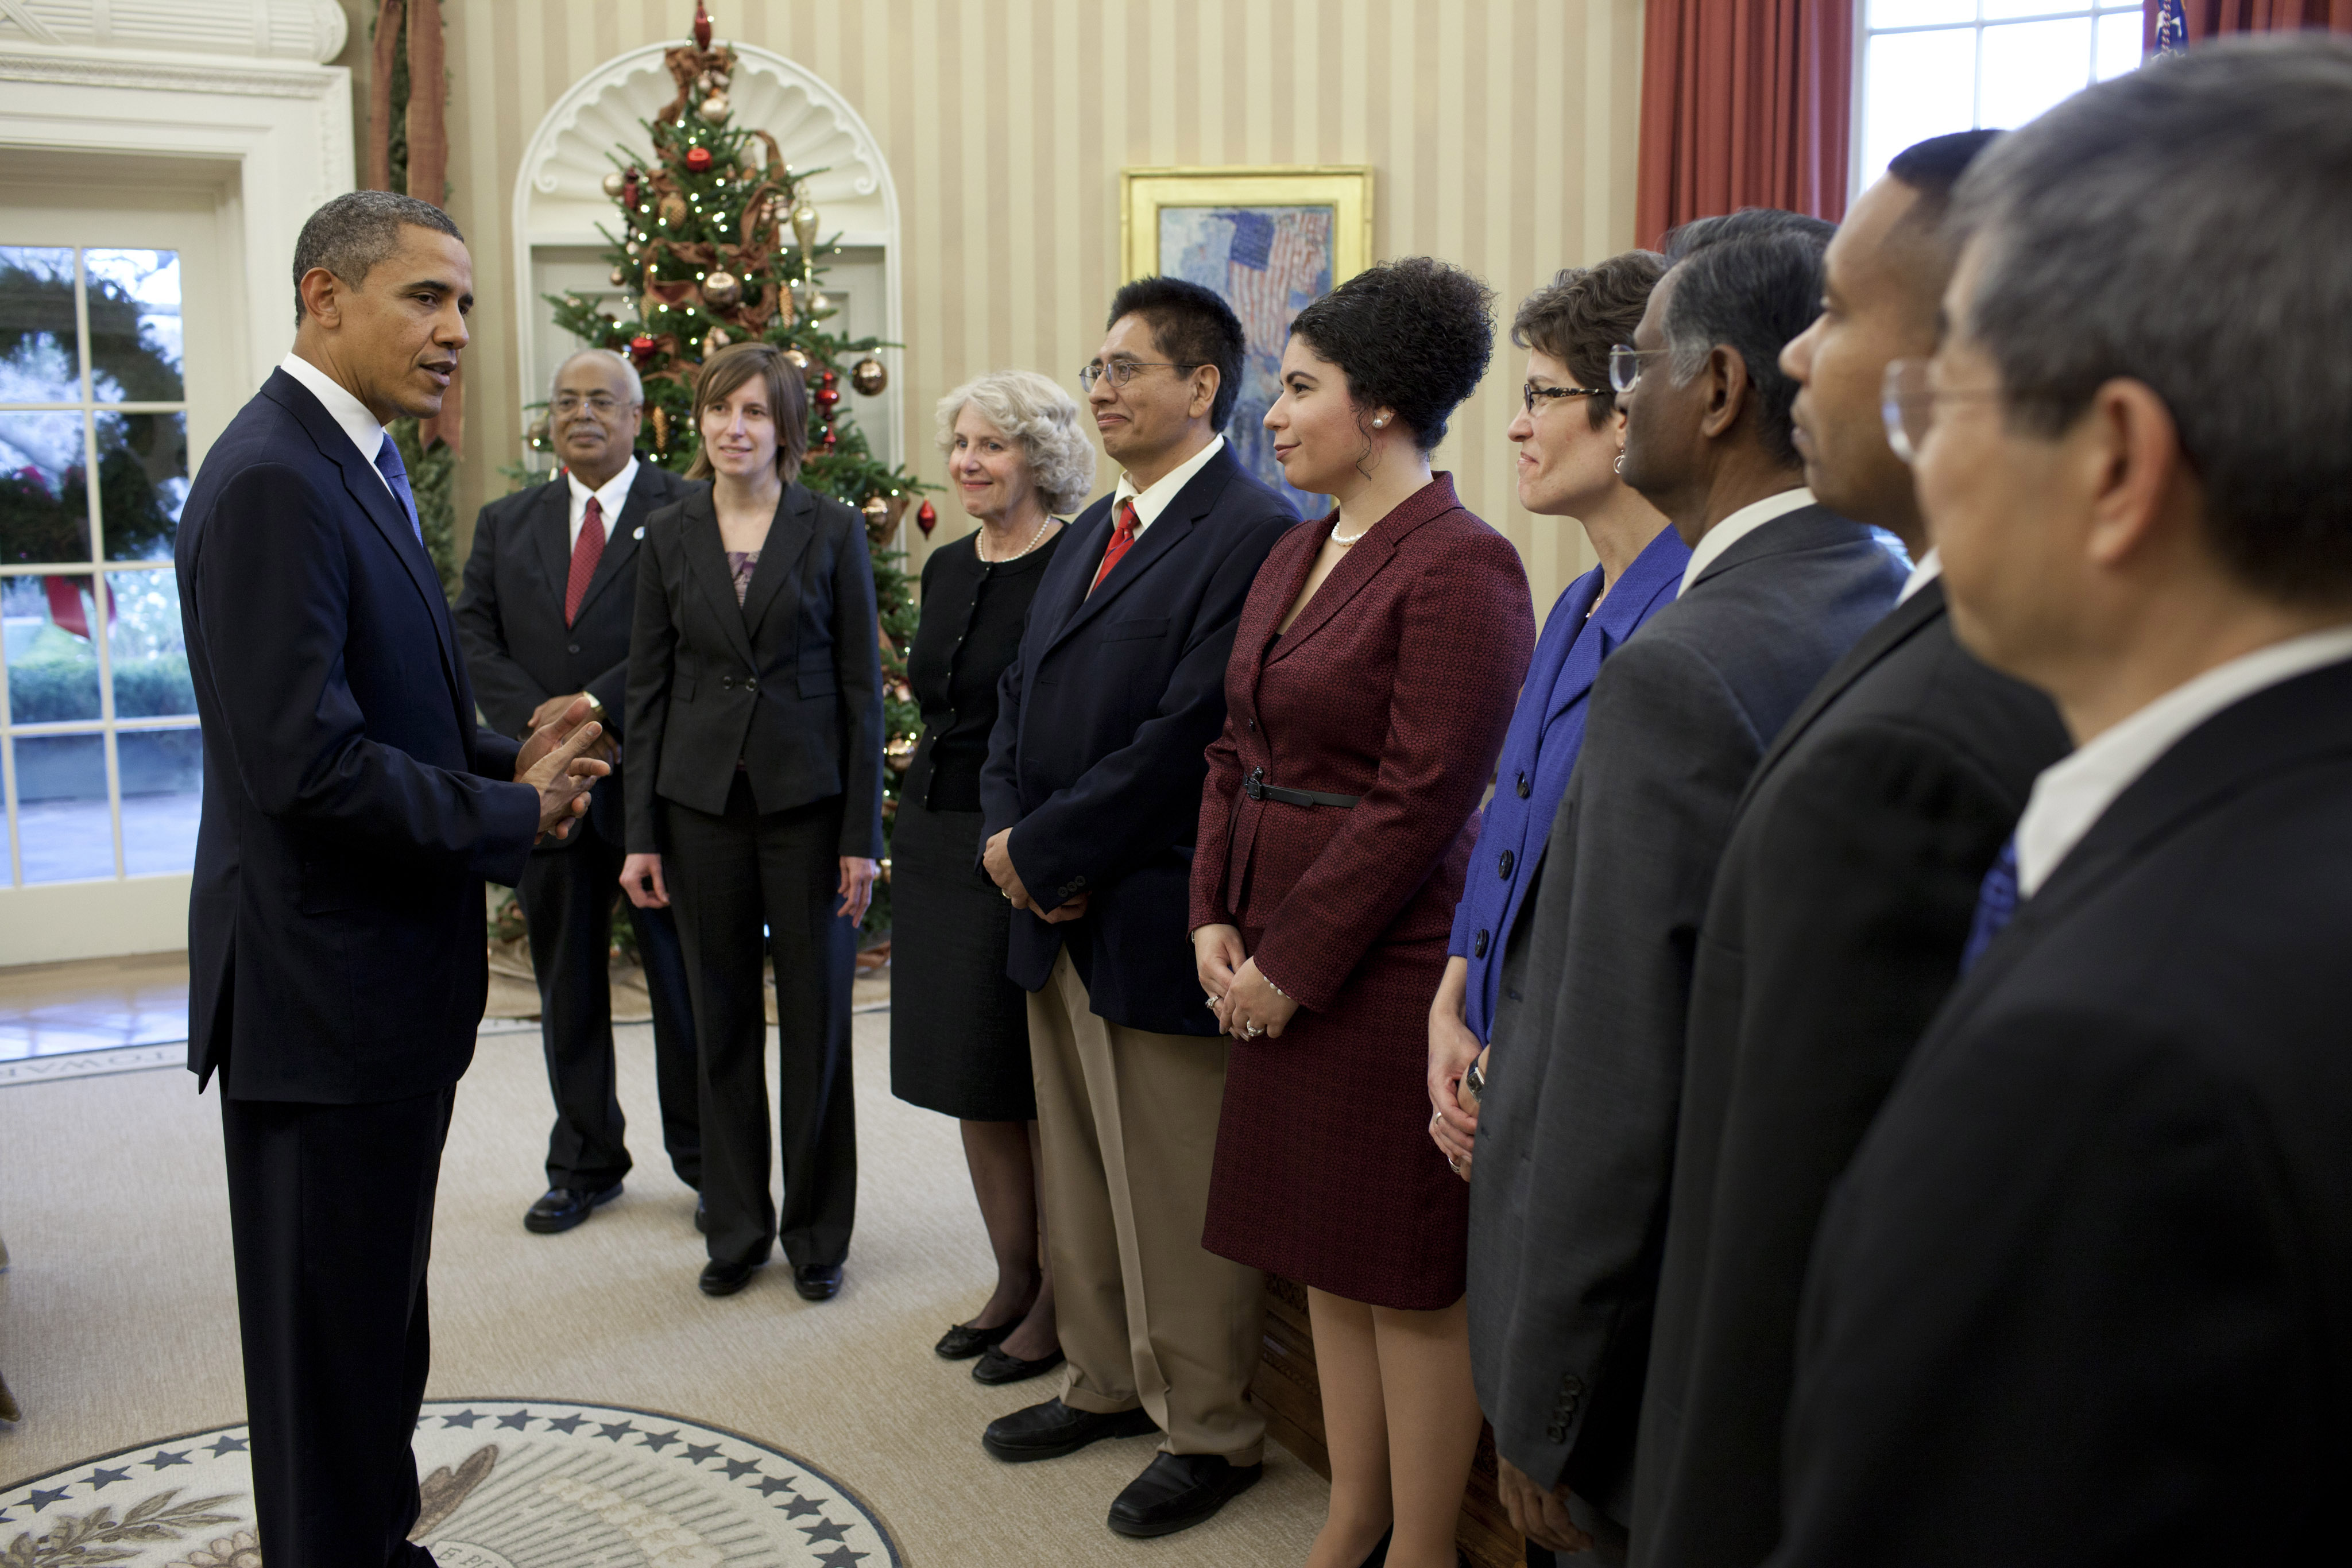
point(718, 243)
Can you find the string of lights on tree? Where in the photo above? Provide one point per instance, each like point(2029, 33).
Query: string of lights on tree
point(719, 243)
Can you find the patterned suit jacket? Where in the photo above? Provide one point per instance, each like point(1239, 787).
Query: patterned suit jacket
point(1395, 684)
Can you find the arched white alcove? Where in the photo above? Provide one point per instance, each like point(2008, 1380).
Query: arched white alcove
point(560, 200)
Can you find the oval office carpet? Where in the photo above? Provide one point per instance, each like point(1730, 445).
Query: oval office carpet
point(118, 1334)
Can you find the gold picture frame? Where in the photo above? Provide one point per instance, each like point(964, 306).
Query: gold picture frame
point(1345, 189)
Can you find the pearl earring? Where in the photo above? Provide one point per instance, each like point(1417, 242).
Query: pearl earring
point(1620, 464)
point(1380, 421)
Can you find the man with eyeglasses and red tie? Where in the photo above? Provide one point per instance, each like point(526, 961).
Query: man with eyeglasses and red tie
point(1091, 801)
point(544, 617)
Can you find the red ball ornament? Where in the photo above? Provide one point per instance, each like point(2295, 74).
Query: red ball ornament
point(828, 441)
point(641, 347)
point(698, 160)
point(926, 517)
point(826, 397)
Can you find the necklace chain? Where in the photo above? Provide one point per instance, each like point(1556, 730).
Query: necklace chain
point(981, 549)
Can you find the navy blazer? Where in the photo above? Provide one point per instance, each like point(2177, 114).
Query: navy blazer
point(510, 615)
point(352, 808)
point(1103, 720)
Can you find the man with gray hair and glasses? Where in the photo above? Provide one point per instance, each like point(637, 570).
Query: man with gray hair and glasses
point(545, 617)
point(2085, 1294)
point(1567, 1191)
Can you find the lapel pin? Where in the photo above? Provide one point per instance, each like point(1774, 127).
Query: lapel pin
point(640, 533)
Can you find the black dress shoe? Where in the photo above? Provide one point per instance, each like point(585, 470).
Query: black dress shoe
point(964, 1341)
point(1048, 1431)
point(1379, 1554)
point(817, 1281)
point(1177, 1491)
point(565, 1207)
point(725, 1278)
point(996, 1367)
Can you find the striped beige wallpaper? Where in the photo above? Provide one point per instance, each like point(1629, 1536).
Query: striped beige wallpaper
point(1501, 133)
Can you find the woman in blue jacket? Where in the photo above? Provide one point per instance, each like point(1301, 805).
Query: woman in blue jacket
point(1571, 441)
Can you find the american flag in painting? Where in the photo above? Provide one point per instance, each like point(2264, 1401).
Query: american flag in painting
point(1276, 264)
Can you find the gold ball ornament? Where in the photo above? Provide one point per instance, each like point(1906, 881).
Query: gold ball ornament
point(619, 275)
point(801, 363)
point(715, 109)
point(673, 209)
point(869, 376)
point(615, 184)
point(722, 289)
point(804, 222)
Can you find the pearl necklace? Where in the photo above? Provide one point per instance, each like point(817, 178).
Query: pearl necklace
point(979, 546)
point(1344, 540)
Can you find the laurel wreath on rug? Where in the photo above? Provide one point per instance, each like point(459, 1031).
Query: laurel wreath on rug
point(99, 1537)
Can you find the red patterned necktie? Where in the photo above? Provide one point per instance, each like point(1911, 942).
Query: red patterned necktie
point(587, 551)
point(1120, 538)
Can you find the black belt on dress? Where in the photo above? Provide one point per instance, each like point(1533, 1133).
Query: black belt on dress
point(1257, 788)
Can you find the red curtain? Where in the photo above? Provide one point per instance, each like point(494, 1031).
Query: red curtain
point(1744, 103)
point(2207, 17)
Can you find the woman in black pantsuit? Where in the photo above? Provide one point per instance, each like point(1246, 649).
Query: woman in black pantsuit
point(959, 1026)
point(755, 797)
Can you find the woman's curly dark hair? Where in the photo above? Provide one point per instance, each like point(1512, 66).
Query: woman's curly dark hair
point(1413, 335)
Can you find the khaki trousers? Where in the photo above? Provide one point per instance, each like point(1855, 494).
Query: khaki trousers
point(1127, 1122)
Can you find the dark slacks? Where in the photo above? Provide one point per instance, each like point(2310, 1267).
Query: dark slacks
point(331, 1208)
point(567, 902)
point(727, 876)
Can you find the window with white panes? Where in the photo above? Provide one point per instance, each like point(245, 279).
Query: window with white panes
point(1928, 67)
point(99, 753)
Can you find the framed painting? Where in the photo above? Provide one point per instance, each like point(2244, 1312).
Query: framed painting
point(1268, 241)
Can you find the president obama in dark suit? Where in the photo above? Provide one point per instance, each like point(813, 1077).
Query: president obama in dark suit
point(1835, 927)
point(352, 812)
point(2084, 1295)
point(545, 616)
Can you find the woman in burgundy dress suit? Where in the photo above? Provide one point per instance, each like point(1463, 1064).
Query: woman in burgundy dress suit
point(1372, 680)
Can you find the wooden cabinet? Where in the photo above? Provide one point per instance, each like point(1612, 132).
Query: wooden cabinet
point(1287, 1390)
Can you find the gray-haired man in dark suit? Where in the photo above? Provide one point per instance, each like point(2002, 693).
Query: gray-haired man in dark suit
point(1576, 1141)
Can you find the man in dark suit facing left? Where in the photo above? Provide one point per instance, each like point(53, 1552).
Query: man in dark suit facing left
point(1091, 798)
point(1838, 915)
point(352, 810)
point(2084, 1294)
point(1575, 1141)
point(544, 617)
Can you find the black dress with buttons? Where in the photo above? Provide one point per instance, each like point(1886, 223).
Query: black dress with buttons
point(959, 1026)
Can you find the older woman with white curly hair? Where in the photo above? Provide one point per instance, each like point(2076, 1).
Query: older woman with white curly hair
point(1016, 455)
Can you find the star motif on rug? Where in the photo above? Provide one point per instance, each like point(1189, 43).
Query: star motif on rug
point(465, 1418)
point(841, 1557)
point(616, 1430)
point(657, 1441)
point(100, 1479)
point(519, 1420)
point(42, 1500)
point(164, 1461)
point(825, 1531)
point(801, 1505)
point(224, 1445)
point(771, 1485)
point(567, 1425)
point(698, 1452)
point(738, 1469)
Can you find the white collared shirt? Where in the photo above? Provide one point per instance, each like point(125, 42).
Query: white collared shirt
point(1149, 503)
point(343, 409)
point(1738, 527)
point(610, 499)
point(1930, 567)
point(2072, 795)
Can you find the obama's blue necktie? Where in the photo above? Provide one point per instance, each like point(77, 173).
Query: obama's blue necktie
point(388, 463)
